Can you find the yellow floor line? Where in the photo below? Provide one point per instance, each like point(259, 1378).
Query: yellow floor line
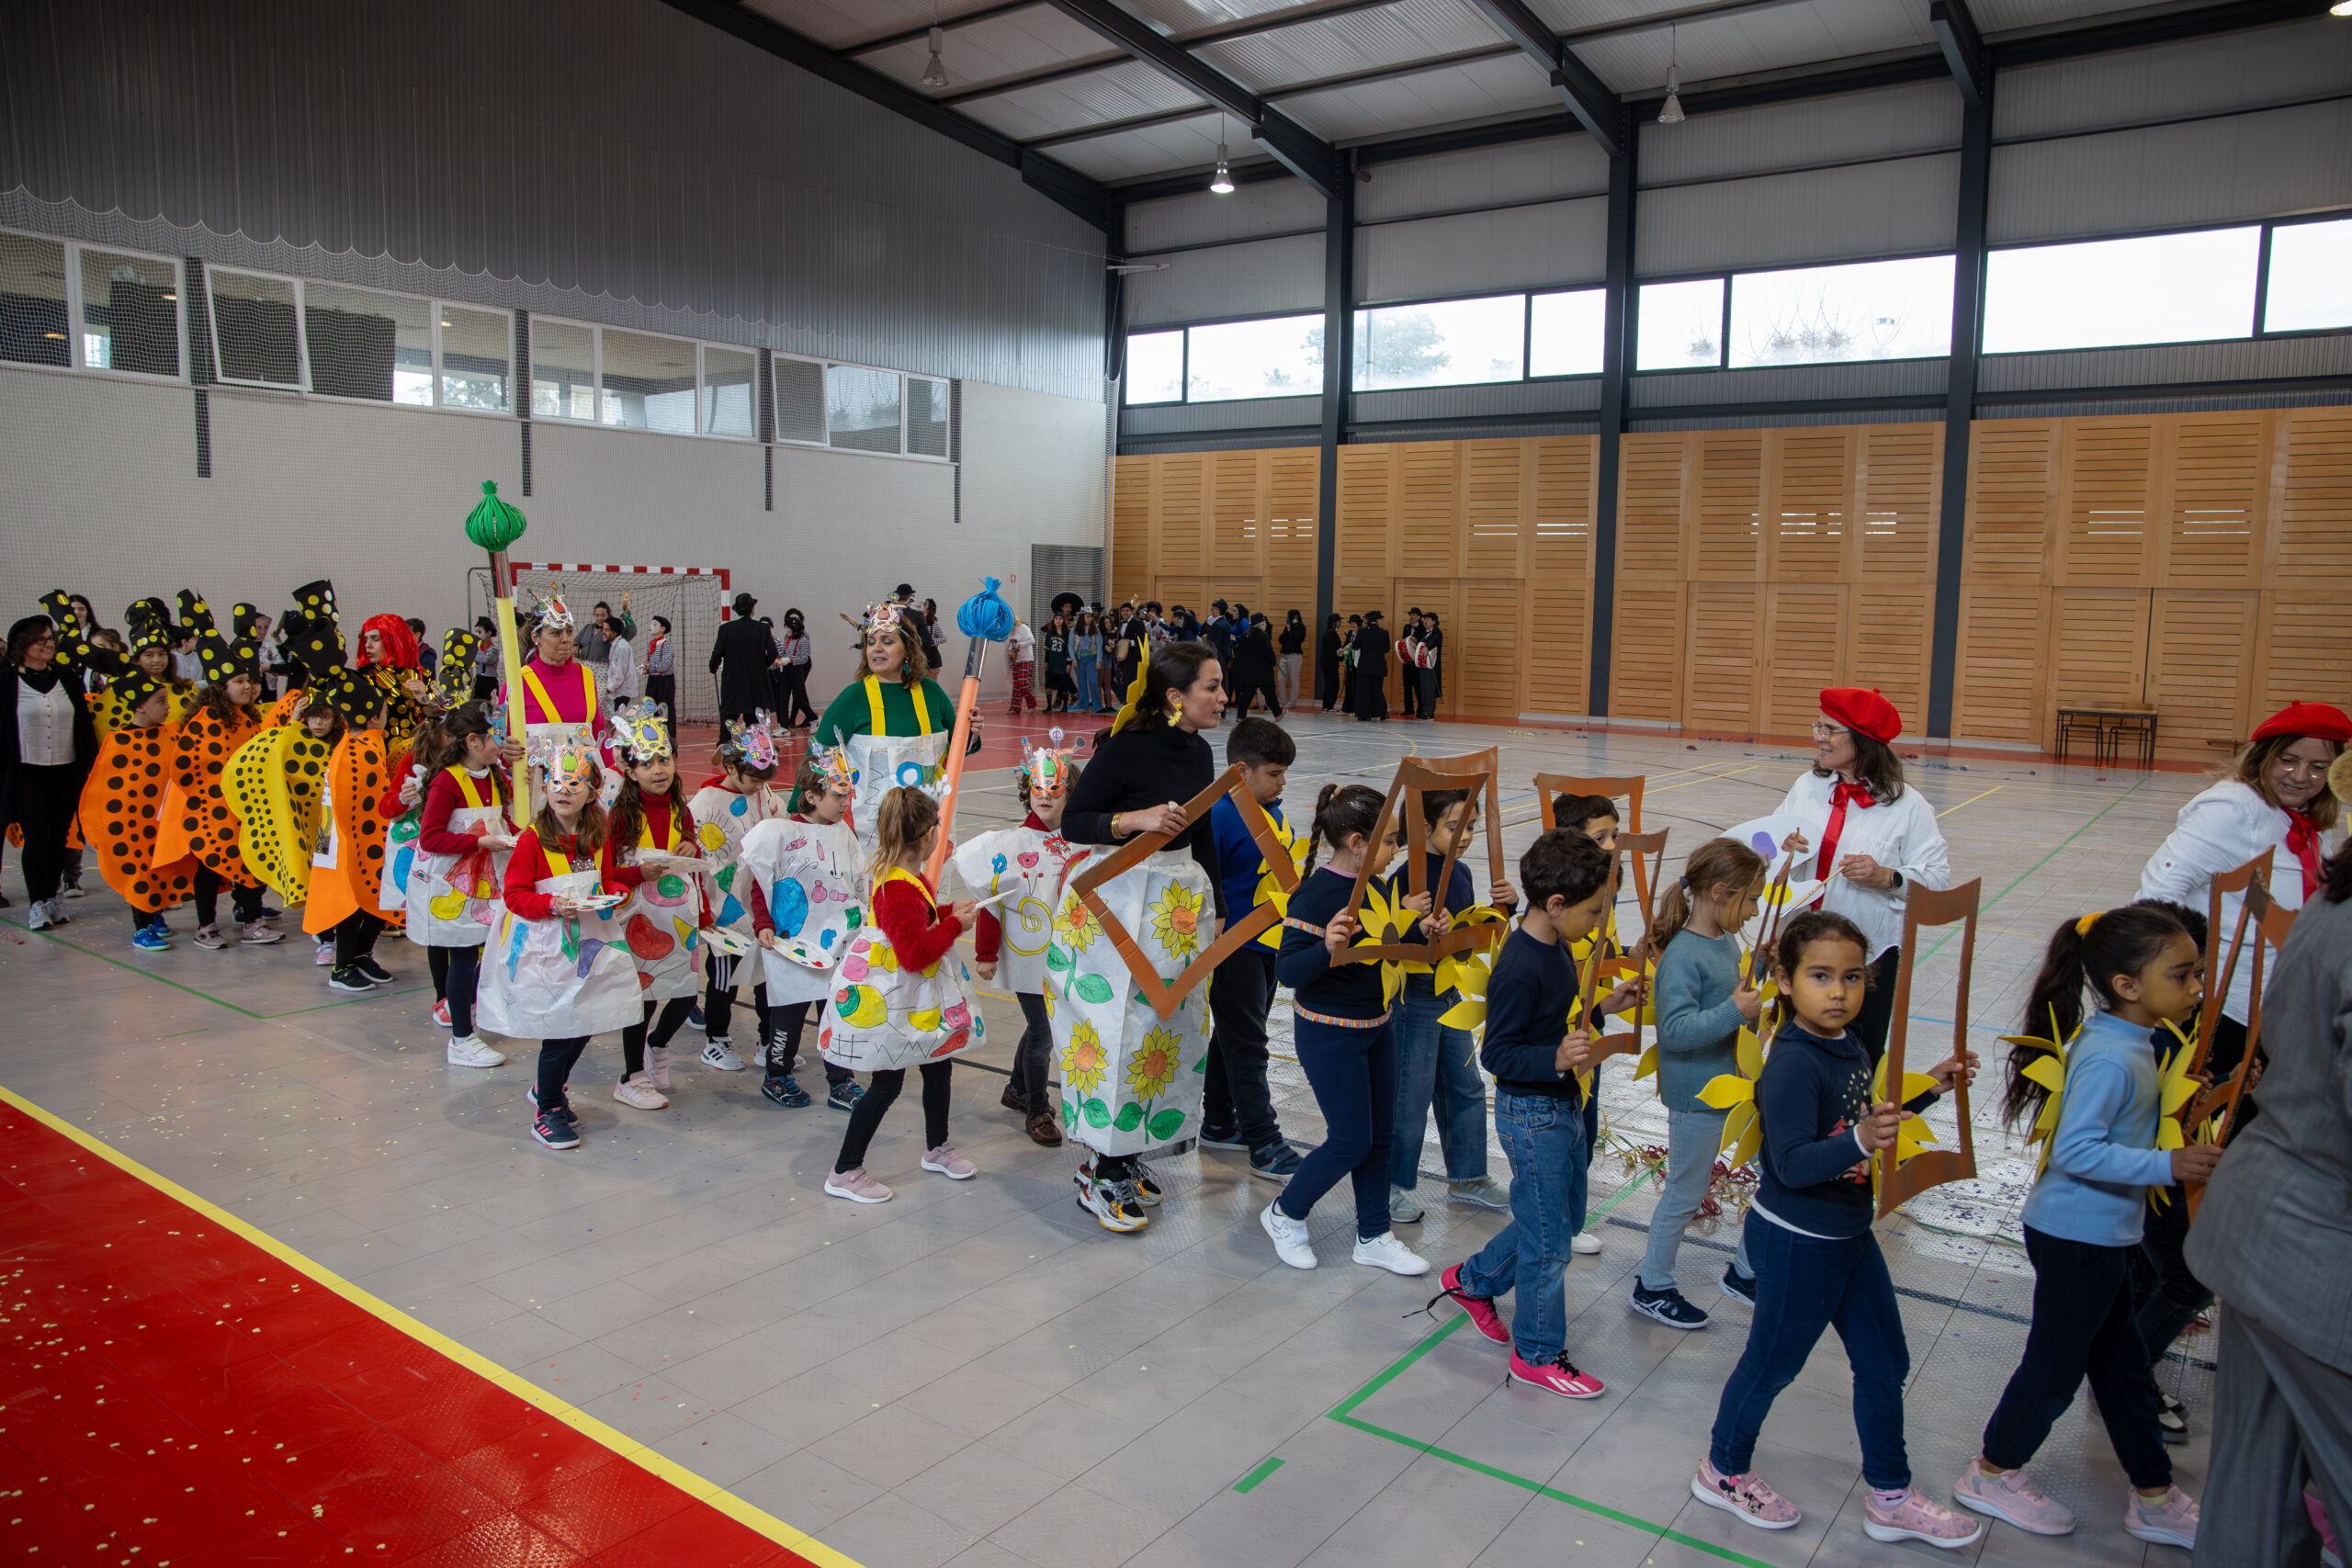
point(587, 1425)
point(1971, 800)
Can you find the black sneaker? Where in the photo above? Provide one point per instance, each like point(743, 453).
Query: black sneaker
point(1222, 1138)
point(552, 1131)
point(561, 1111)
point(1739, 1287)
point(694, 1019)
point(1667, 1306)
point(2172, 1419)
point(780, 1088)
point(845, 1094)
point(1276, 1162)
point(349, 978)
point(377, 974)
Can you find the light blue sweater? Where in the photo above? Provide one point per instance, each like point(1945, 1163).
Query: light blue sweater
point(1698, 1027)
point(2103, 1157)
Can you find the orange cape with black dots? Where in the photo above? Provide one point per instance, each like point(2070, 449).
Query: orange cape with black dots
point(120, 808)
point(196, 821)
point(348, 863)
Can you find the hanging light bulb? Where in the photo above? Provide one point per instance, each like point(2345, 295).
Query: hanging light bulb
point(1223, 184)
point(2341, 8)
point(934, 75)
point(1671, 112)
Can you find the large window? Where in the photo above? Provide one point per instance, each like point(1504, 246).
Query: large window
point(1155, 368)
point(2151, 288)
point(648, 383)
point(731, 403)
point(1566, 332)
point(338, 340)
point(1277, 358)
point(1680, 327)
point(254, 328)
point(2310, 277)
point(857, 408)
point(1883, 310)
point(861, 408)
point(75, 307)
point(365, 344)
point(634, 380)
point(1447, 343)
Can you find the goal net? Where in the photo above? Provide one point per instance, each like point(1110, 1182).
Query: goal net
point(692, 600)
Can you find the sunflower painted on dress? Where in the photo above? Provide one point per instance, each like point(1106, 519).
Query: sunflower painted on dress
point(1076, 925)
point(1082, 1063)
point(1176, 921)
point(1154, 1065)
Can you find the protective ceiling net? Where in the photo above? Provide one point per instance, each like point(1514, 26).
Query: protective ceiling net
point(690, 605)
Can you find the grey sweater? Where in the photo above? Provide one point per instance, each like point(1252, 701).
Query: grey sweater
point(1698, 1027)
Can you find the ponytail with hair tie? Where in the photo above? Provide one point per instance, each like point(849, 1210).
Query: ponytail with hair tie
point(2086, 952)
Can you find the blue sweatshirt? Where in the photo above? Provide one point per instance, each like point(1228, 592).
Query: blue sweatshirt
point(2103, 1157)
point(1529, 998)
point(1698, 1027)
point(1816, 1178)
point(1243, 864)
point(1303, 964)
point(1458, 898)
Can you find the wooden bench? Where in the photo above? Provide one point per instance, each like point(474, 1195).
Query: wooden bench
point(2106, 725)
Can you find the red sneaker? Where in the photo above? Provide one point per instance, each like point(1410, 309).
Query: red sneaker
point(441, 1013)
point(1483, 1315)
point(1558, 1376)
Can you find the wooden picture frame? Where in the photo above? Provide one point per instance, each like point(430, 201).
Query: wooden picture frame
point(2272, 923)
point(2217, 970)
point(1165, 996)
point(1415, 777)
point(1549, 787)
point(1899, 1184)
point(1636, 845)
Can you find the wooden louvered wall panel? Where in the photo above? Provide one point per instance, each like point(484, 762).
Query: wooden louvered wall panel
point(1558, 552)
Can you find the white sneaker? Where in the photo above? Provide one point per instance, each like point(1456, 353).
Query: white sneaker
point(1584, 1243)
point(635, 1091)
point(718, 1055)
point(38, 916)
point(1385, 1251)
point(657, 1067)
point(469, 1052)
point(1290, 1238)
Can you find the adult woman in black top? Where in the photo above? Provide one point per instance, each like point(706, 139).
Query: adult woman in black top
point(1431, 676)
point(1253, 667)
point(47, 744)
point(1292, 641)
point(1372, 671)
point(1136, 782)
point(1327, 644)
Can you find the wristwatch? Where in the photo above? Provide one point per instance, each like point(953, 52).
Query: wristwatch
point(1896, 874)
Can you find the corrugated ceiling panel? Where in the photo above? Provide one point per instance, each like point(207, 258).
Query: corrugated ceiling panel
point(841, 23)
point(2214, 170)
point(1710, 47)
point(1010, 45)
point(1154, 150)
point(1473, 252)
point(1456, 93)
point(1888, 121)
point(1907, 205)
point(1998, 15)
point(1193, 16)
point(1267, 206)
point(1255, 277)
point(1484, 176)
point(2157, 363)
point(2266, 65)
point(1360, 41)
point(1121, 92)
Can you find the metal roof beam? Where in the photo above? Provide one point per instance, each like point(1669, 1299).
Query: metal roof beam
point(1587, 95)
point(1299, 150)
point(1964, 47)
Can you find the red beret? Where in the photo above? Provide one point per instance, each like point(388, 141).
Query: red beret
point(2316, 721)
point(1863, 712)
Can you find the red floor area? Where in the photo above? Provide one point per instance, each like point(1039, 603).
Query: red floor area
point(173, 1396)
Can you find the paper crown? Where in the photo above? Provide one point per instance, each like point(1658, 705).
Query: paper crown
point(886, 613)
point(642, 730)
point(562, 757)
point(551, 612)
point(223, 658)
point(1047, 768)
point(749, 743)
point(832, 768)
point(148, 623)
point(454, 680)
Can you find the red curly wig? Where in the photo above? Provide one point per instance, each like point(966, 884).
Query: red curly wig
point(399, 643)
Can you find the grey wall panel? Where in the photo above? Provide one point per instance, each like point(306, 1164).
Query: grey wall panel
point(2229, 70)
point(1470, 252)
point(1269, 207)
point(2060, 407)
point(1214, 441)
point(1921, 117)
point(2208, 171)
point(1772, 419)
point(1484, 176)
point(1246, 413)
point(2238, 361)
point(1581, 395)
point(1907, 204)
point(1791, 383)
point(1250, 278)
point(605, 150)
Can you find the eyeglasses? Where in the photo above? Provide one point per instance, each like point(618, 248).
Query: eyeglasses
point(2295, 768)
point(1824, 731)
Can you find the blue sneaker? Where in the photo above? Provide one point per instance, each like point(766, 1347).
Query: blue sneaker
point(1739, 1287)
point(151, 939)
point(1276, 1162)
point(845, 1094)
point(784, 1092)
point(1222, 1138)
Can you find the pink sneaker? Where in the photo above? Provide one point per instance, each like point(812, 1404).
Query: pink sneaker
point(441, 1013)
point(857, 1186)
point(1483, 1315)
point(2012, 1499)
point(1918, 1517)
point(1744, 1496)
point(949, 1164)
point(2172, 1522)
point(1557, 1376)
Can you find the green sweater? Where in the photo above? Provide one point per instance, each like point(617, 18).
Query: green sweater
point(850, 714)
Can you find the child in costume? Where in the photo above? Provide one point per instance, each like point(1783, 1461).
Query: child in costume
point(151, 639)
point(1027, 866)
point(902, 998)
point(651, 854)
point(1594, 816)
point(463, 829)
point(725, 810)
point(557, 970)
point(1237, 1106)
point(805, 878)
point(197, 822)
point(411, 776)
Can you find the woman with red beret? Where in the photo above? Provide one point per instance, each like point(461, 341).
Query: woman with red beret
point(1877, 838)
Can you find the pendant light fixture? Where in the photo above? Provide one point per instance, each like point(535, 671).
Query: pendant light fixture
point(1671, 113)
point(1223, 184)
point(934, 74)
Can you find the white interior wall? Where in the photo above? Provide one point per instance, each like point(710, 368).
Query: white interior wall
point(99, 494)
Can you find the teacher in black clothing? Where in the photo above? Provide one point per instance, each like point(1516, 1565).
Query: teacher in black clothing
point(1371, 670)
point(1432, 672)
point(1253, 667)
point(741, 656)
point(1326, 662)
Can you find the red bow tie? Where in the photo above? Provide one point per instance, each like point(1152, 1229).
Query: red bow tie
point(1841, 796)
point(2303, 842)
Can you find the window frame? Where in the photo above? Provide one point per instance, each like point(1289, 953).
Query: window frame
point(74, 350)
point(1183, 365)
point(1529, 362)
point(702, 387)
point(440, 363)
point(301, 385)
point(2262, 276)
point(824, 442)
point(1526, 314)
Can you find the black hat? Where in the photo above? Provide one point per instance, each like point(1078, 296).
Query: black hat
point(904, 591)
point(132, 687)
point(456, 675)
point(222, 658)
point(1414, 611)
point(241, 618)
point(743, 602)
point(1067, 601)
point(148, 623)
point(1369, 617)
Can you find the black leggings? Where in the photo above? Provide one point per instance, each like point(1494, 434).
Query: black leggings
point(45, 799)
point(635, 1037)
point(880, 1093)
point(784, 1042)
point(456, 973)
point(795, 700)
point(556, 1059)
point(355, 937)
point(719, 1002)
point(244, 902)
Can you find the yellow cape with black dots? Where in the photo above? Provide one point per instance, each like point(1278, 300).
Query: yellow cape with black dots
point(271, 786)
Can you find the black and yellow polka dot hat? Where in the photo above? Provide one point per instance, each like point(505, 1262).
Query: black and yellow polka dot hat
point(223, 658)
point(454, 678)
point(148, 623)
point(74, 649)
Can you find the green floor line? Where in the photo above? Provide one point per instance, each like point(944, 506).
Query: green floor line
point(1593, 1217)
point(1249, 1481)
point(2036, 865)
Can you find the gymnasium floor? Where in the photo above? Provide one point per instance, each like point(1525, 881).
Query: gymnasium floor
point(669, 1345)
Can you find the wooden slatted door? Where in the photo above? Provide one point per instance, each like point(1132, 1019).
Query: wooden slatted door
point(1998, 678)
point(1891, 609)
point(1293, 479)
point(2300, 651)
point(1646, 656)
point(1132, 505)
point(1558, 631)
point(2199, 679)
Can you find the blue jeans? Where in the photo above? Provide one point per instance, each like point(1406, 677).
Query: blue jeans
point(1435, 1064)
point(1087, 687)
point(1803, 1286)
point(1544, 1136)
point(1692, 1139)
point(1353, 1074)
